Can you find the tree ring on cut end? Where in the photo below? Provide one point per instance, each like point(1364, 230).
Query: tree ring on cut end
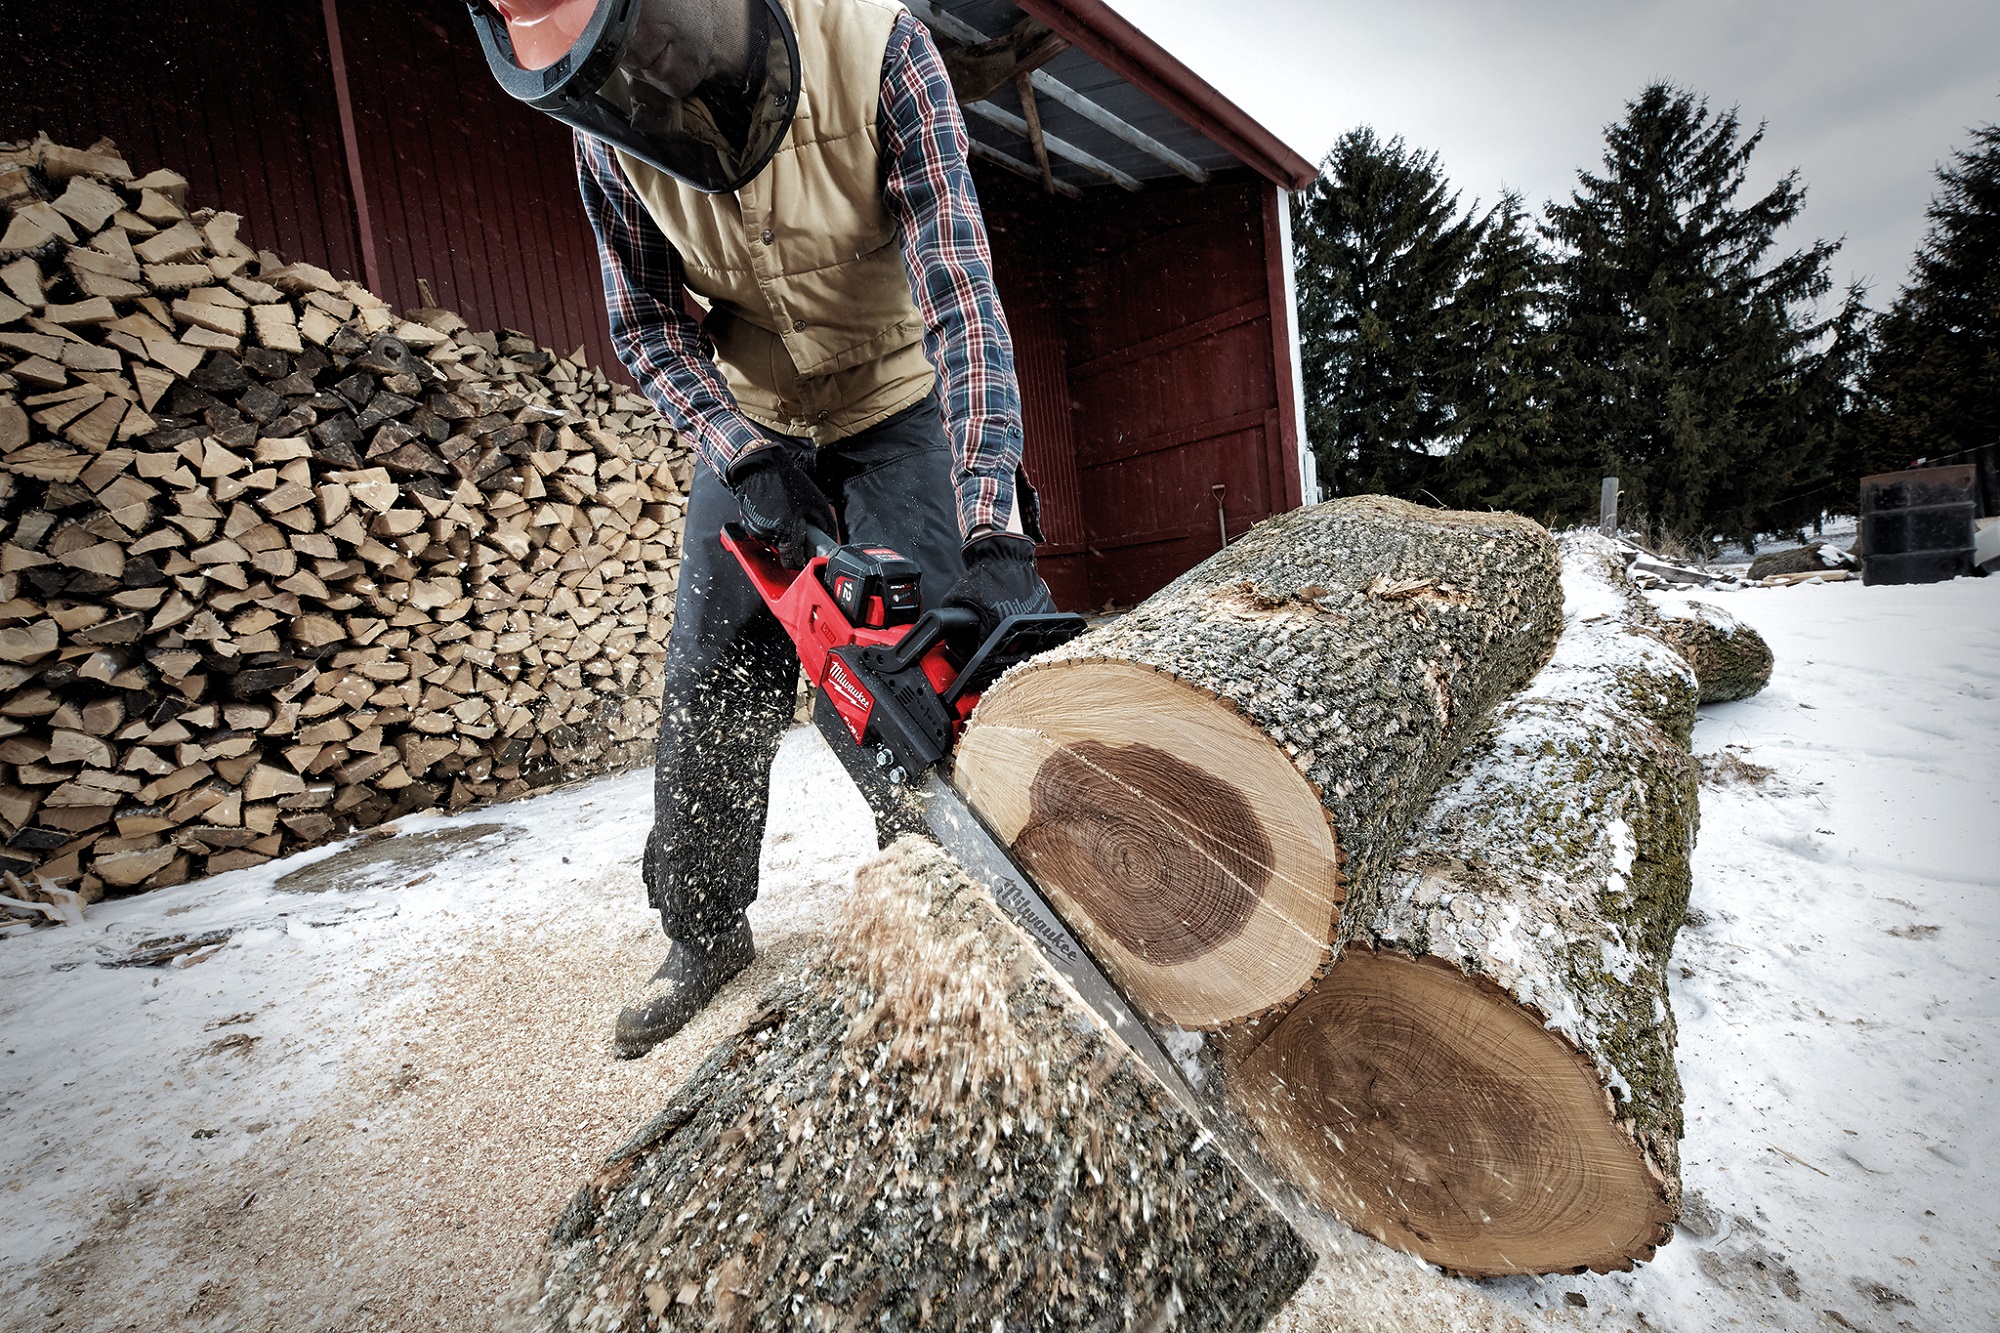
point(1183, 847)
point(1167, 859)
point(1430, 1110)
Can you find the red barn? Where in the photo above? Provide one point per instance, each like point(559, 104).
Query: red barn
point(1139, 222)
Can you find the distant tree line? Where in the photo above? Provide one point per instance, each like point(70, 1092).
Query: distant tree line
point(1647, 328)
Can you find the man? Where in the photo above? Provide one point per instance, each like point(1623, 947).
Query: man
point(798, 165)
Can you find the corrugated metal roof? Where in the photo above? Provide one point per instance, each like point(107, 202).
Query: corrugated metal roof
point(1086, 77)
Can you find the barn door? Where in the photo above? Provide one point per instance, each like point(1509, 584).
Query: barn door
point(1178, 422)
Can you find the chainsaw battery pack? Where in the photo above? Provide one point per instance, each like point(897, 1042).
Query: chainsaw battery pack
point(874, 586)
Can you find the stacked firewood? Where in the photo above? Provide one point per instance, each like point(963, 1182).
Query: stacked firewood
point(277, 563)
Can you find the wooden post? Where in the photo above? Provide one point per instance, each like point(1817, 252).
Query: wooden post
point(350, 142)
point(1607, 508)
point(1033, 115)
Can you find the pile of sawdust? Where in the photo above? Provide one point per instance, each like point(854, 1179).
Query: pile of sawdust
point(937, 995)
point(417, 1198)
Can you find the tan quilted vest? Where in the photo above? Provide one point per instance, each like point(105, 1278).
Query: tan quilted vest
point(802, 268)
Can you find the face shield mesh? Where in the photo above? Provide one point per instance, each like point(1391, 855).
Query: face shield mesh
point(704, 90)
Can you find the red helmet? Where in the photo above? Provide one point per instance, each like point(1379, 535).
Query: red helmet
point(704, 90)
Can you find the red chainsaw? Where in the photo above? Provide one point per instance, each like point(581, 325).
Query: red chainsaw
point(902, 679)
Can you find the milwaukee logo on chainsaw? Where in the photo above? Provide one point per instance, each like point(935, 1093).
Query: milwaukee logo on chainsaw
point(855, 702)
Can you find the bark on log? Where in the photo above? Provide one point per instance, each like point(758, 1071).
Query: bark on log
point(1491, 1085)
point(1812, 558)
point(926, 1131)
point(1210, 788)
point(1730, 659)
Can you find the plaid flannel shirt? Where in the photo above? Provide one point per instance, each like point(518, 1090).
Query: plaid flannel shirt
point(929, 190)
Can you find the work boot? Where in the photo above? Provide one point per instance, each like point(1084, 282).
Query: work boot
point(694, 971)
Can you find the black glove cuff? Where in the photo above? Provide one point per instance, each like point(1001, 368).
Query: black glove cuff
point(752, 462)
point(999, 547)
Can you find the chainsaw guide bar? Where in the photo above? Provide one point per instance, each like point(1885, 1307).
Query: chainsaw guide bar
point(896, 684)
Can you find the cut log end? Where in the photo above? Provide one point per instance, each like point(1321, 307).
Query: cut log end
point(1210, 788)
point(1197, 862)
point(1431, 1111)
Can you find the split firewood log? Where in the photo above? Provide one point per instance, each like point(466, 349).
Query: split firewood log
point(276, 563)
point(1730, 659)
point(1210, 788)
point(1487, 1079)
point(926, 1130)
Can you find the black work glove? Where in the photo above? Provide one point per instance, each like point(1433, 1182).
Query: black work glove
point(779, 501)
point(1000, 581)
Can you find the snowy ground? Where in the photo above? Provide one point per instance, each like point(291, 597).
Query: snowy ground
point(358, 1104)
point(1839, 530)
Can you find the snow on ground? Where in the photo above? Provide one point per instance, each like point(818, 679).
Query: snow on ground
point(364, 1108)
point(1841, 530)
point(358, 1105)
point(1836, 986)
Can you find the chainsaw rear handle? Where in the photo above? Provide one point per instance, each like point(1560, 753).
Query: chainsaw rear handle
point(819, 543)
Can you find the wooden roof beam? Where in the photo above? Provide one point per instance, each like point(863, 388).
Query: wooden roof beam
point(1014, 164)
point(1060, 147)
point(981, 69)
point(1061, 93)
point(1057, 91)
point(1101, 33)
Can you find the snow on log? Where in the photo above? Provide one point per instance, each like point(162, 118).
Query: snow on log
point(928, 1130)
point(1209, 788)
point(1491, 1085)
point(1730, 659)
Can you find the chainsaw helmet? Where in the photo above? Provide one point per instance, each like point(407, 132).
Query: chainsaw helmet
point(704, 90)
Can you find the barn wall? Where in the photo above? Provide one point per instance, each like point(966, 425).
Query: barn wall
point(1158, 308)
point(1171, 342)
point(1150, 365)
point(468, 190)
point(236, 95)
point(465, 188)
point(1020, 224)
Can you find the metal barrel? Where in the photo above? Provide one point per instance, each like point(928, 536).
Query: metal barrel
point(1916, 526)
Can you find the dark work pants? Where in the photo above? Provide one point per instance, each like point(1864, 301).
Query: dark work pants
point(731, 671)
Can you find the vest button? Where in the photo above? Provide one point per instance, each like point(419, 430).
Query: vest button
point(824, 415)
point(767, 236)
point(798, 326)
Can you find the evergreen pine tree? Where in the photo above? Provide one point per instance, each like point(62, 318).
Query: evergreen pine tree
point(1934, 379)
point(1503, 389)
point(1687, 366)
point(1380, 252)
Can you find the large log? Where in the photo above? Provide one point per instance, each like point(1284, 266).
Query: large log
point(1487, 1080)
point(1210, 788)
point(1730, 659)
point(925, 1131)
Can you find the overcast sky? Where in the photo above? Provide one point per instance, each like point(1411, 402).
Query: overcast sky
point(1864, 97)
